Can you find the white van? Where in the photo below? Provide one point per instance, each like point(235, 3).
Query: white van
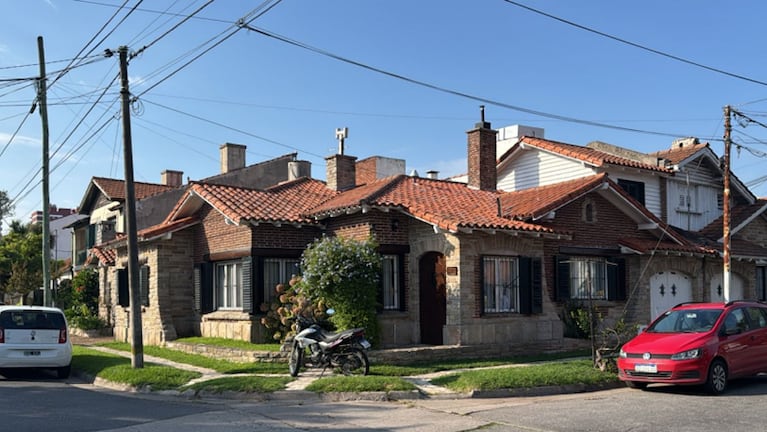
point(35, 337)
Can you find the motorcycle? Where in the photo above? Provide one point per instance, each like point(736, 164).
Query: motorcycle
point(315, 347)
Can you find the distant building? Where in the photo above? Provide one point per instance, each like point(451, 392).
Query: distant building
point(54, 213)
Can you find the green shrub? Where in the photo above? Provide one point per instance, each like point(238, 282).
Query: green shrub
point(343, 274)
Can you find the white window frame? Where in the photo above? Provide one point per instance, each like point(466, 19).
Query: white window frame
point(390, 282)
point(228, 285)
point(500, 279)
point(581, 268)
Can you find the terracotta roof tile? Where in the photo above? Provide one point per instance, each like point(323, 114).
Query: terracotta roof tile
point(586, 154)
point(163, 228)
point(645, 246)
point(679, 154)
point(282, 203)
point(106, 256)
point(536, 202)
point(115, 189)
point(450, 206)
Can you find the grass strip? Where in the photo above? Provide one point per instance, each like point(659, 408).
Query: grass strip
point(548, 374)
point(246, 384)
point(221, 366)
point(421, 368)
point(229, 343)
point(359, 384)
point(118, 369)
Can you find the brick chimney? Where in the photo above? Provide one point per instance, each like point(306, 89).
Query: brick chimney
point(171, 178)
point(481, 153)
point(232, 157)
point(341, 172)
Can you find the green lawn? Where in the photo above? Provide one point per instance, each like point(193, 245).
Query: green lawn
point(470, 374)
point(547, 374)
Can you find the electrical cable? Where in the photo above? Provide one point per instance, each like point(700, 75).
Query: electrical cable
point(462, 94)
point(636, 45)
point(167, 32)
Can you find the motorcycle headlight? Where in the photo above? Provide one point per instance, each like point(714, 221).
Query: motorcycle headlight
point(688, 355)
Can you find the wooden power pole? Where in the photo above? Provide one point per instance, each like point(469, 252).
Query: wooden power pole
point(42, 100)
point(137, 342)
point(726, 206)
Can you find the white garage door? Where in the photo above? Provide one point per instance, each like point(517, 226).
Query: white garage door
point(668, 289)
point(717, 288)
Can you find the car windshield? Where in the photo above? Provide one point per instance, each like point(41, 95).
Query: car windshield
point(31, 319)
point(686, 321)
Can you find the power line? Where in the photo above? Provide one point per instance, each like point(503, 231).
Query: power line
point(167, 32)
point(636, 45)
point(241, 22)
point(459, 93)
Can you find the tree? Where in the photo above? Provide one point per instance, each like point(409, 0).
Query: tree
point(21, 260)
point(344, 275)
point(6, 207)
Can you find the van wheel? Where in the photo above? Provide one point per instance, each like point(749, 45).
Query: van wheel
point(63, 372)
point(717, 377)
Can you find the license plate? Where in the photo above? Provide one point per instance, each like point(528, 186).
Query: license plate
point(32, 353)
point(646, 368)
point(365, 344)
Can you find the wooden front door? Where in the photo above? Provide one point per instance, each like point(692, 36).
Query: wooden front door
point(431, 270)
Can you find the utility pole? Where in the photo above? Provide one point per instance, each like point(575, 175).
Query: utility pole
point(137, 342)
point(42, 101)
point(726, 206)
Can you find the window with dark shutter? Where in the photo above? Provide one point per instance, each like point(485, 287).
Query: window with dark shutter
point(247, 284)
point(123, 295)
point(203, 288)
point(143, 281)
point(616, 279)
point(530, 286)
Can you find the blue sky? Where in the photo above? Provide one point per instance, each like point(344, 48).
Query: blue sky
point(278, 98)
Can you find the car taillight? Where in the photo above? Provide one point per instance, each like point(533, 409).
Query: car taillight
point(63, 335)
point(2, 335)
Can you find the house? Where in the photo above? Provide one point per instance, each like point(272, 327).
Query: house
point(682, 186)
point(464, 263)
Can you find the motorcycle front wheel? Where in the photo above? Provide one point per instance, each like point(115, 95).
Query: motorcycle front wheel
point(296, 359)
point(353, 361)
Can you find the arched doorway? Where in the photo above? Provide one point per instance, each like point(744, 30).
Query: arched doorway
point(668, 289)
point(717, 287)
point(433, 301)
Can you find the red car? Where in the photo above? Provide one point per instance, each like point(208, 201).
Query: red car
point(698, 344)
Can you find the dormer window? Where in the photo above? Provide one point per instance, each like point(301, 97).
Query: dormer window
point(633, 188)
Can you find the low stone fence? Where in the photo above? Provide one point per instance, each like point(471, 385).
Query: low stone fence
point(231, 354)
point(397, 356)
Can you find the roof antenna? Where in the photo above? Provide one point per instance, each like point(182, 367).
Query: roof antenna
point(341, 134)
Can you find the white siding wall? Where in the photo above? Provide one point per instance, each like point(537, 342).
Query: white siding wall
point(536, 168)
point(652, 195)
point(702, 183)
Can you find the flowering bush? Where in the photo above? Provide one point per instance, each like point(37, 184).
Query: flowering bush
point(83, 311)
point(343, 274)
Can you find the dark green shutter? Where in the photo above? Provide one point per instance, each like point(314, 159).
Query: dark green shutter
point(616, 279)
point(562, 277)
point(203, 287)
point(123, 295)
point(247, 284)
point(530, 286)
point(144, 285)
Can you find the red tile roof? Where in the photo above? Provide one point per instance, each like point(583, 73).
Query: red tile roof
point(106, 256)
point(592, 156)
point(536, 202)
point(680, 154)
point(114, 189)
point(164, 228)
point(648, 246)
point(283, 203)
point(448, 205)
